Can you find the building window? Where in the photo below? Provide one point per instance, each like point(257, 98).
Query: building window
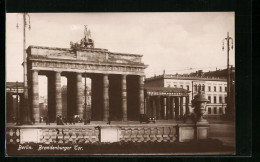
point(195, 88)
point(220, 89)
point(215, 99)
point(220, 110)
point(225, 89)
point(215, 89)
point(225, 99)
point(175, 86)
point(215, 110)
point(209, 89)
point(181, 86)
point(209, 110)
point(220, 99)
point(209, 98)
point(203, 87)
point(188, 88)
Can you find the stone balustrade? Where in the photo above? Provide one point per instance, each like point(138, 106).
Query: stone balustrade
point(12, 136)
point(93, 134)
point(90, 134)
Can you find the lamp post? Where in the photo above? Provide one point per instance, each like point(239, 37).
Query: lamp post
point(228, 38)
point(25, 79)
point(17, 107)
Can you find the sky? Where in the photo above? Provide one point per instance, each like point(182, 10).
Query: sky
point(177, 42)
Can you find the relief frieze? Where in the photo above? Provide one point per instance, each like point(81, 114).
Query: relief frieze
point(87, 67)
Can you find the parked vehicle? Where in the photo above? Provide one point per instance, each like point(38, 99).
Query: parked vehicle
point(147, 119)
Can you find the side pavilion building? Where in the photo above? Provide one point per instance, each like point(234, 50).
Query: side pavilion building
point(165, 103)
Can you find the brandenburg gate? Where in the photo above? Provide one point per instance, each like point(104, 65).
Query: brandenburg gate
point(117, 81)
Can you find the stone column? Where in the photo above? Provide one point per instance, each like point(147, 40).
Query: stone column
point(168, 103)
point(79, 96)
point(154, 107)
point(148, 105)
point(177, 108)
point(181, 107)
point(173, 108)
point(58, 103)
point(35, 97)
point(105, 98)
point(187, 105)
point(165, 108)
point(124, 98)
point(141, 95)
point(158, 108)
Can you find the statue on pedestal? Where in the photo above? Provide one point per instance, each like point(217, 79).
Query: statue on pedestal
point(85, 42)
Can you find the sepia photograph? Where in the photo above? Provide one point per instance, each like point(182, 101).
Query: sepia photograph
point(120, 83)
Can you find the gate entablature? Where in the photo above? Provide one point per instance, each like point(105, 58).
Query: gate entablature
point(92, 60)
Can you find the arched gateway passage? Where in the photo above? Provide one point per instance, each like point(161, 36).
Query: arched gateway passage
point(116, 81)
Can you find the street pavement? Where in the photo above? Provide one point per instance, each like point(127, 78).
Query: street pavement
point(223, 131)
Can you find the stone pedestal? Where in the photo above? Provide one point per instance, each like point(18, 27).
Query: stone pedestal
point(191, 132)
point(109, 134)
point(186, 132)
point(202, 131)
point(158, 106)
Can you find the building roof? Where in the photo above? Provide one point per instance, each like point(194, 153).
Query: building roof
point(185, 77)
point(218, 75)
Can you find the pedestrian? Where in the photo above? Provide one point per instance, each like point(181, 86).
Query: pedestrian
point(33, 121)
point(65, 120)
point(41, 119)
point(74, 119)
point(47, 120)
point(60, 120)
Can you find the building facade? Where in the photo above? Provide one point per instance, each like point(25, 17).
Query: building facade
point(214, 87)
